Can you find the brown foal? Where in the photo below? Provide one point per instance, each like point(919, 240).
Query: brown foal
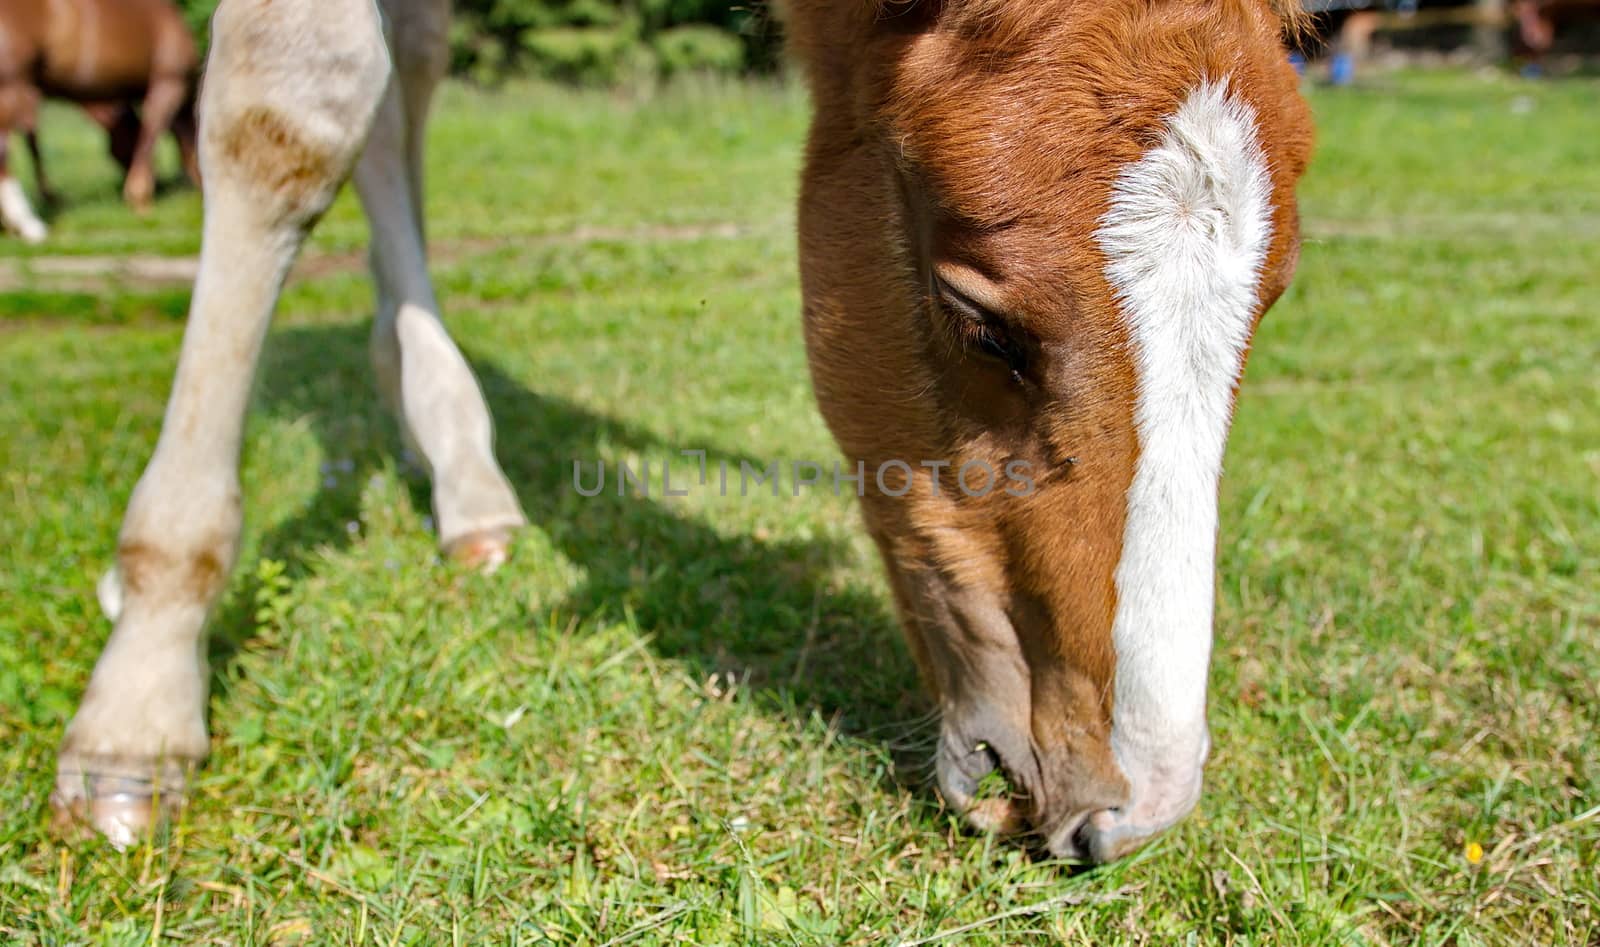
point(1036, 238)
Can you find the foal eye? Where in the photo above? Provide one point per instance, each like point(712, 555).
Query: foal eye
point(980, 329)
point(991, 346)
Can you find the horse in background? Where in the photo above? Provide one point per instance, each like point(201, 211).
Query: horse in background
point(1539, 21)
point(104, 55)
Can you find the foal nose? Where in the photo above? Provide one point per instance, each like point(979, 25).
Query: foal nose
point(1099, 837)
point(1158, 802)
point(1072, 803)
point(1077, 812)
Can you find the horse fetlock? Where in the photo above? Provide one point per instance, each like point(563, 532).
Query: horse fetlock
point(163, 577)
point(140, 730)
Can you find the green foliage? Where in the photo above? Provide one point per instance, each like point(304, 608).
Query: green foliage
point(697, 49)
point(593, 42)
point(609, 41)
point(197, 13)
point(594, 55)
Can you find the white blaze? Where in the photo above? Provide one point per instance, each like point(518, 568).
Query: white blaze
point(1185, 237)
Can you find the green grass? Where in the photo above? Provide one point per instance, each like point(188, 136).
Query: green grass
point(691, 720)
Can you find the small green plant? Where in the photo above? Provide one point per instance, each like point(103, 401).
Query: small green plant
point(272, 596)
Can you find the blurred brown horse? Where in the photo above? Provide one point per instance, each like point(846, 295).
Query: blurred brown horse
point(105, 55)
point(1538, 21)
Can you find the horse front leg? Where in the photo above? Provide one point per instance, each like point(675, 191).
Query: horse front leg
point(47, 194)
point(288, 100)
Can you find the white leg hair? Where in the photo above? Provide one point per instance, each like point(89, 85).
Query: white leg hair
point(289, 94)
point(16, 214)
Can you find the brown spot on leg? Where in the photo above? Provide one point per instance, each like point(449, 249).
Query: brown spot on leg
point(206, 573)
point(265, 147)
point(140, 565)
point(148, 570)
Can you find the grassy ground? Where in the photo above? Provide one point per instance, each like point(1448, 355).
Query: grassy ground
point(691, 720)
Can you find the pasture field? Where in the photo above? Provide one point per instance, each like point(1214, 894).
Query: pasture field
point(690, 719)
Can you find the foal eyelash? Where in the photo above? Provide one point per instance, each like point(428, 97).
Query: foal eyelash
point(977, 328)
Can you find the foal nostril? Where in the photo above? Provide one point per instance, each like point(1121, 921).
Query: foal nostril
point(991, 762)
point(1071, 840)
point(979, 766)
point(1081, 846)
point(993, 807)
point(975, 780)
point(1093, 836)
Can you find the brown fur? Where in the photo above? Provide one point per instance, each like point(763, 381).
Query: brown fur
point(980, 138)
point(105, 54)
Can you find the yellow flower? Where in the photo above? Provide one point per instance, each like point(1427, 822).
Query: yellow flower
point(1474, 853)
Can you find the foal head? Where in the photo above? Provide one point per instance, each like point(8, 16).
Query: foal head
point(1036, 238)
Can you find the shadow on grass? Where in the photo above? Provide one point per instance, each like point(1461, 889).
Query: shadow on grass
point(766, 611)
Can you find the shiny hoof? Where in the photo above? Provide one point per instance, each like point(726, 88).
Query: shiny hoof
point(124, 809)
point(484, 551)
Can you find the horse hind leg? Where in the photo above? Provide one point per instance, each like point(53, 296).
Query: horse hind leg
point(161, 104)
point(184, 130)
point(121, 124)
point(289, 97)
point(421, 374)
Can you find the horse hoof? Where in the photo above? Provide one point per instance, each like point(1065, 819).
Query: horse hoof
point(139, 193)
point(484, 551)
point(123, 809)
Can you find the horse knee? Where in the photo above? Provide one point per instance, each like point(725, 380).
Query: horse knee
point(290, 93)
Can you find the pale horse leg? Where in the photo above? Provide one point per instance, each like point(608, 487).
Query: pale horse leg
point(421, 375)
point(291, 90)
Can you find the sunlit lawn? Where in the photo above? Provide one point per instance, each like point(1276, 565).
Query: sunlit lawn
point(691, 720)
